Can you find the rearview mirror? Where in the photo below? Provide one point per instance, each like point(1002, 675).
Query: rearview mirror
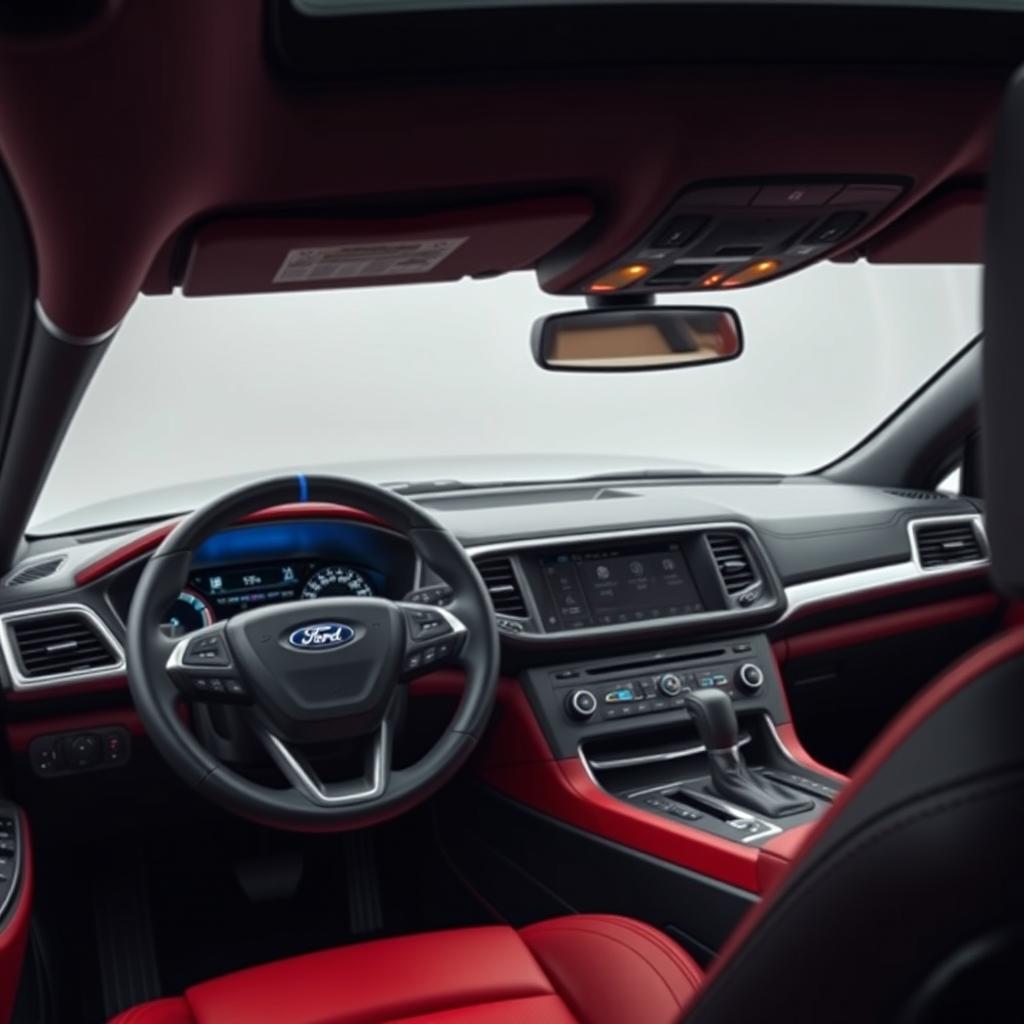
point(643, 338)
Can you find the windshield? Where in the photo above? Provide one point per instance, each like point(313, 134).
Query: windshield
point(426, 382)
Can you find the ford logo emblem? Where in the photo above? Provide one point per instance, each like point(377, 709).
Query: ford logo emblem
point(321, 636)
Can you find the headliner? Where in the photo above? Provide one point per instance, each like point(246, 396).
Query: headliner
point(125, 134)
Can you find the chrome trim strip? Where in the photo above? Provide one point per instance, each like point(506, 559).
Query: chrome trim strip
point(722, 805)
point(58, 332)
point(801, 596)
point(976, 521)
point(783, 749)
point(21, 682)
point(311, 787)
point(669, 755)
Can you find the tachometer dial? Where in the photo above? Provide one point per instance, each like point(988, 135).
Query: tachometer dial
point(188, 613)
point(336, 581)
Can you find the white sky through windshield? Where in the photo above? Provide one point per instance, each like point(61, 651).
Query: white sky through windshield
point(198, 388)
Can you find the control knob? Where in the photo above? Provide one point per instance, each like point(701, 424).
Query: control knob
point(749, 677)
point(670, 685)
point(581, 704)
point(83, 751)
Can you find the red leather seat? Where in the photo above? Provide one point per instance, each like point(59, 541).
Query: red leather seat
point(588, 968)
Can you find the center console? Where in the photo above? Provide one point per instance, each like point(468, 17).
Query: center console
point(686, 734)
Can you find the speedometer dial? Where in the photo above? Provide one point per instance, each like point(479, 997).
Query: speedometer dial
point(336, 581)
point(188, 613)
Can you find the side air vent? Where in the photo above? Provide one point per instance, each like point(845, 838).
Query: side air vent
point(37, 570)
point(733, 561)
point(919, 495)
point(947, 542)
point(58, 643)
point(500, 580)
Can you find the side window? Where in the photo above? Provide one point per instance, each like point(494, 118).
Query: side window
point(951, 485)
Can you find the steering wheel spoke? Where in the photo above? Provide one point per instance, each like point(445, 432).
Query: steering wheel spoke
point(303, 777)
point(202, 667)
point(435, 637)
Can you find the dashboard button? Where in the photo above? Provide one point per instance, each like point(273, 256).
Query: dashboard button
point(82, 751)
point(207, 650)
point(582, 704)
point(796, 195)
point(749, 677)
point(670, 685)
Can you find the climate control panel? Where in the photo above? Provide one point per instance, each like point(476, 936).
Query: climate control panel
point(650, 694)
point(590, 699)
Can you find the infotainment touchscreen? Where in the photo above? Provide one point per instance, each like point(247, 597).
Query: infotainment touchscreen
point(613, 586)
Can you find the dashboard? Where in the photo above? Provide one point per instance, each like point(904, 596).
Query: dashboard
point(571, 569)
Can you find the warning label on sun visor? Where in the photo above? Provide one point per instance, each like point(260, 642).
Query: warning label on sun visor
point(368, 259)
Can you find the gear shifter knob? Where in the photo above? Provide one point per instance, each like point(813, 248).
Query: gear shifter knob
point(715, 718)
point(713, 714)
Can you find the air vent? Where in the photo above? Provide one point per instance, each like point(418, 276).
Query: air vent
point(37, 570)
point(919, 495)
point(947, 542)
point(59, 643)
point(733, 561)
point(500, 580)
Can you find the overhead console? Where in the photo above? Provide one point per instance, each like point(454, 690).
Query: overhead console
point(722, 235)
point(563, 589)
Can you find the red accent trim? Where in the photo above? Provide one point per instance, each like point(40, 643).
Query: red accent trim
point(142, 544)
point(1014, 615)
point(101, 684)
point(964, 672)
point(14, 929)
point(125, 553)
point(878, 627)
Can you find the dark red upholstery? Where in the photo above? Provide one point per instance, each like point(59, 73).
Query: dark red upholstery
point(588, 968)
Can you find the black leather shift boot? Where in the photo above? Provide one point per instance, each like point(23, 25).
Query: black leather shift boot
point(732, 780)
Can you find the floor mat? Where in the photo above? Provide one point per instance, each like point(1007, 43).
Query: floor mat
point(203, 922)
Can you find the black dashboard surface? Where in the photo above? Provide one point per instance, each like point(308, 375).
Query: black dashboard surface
point(811, 527)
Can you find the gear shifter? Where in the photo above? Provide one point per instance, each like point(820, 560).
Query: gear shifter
point(715, 718)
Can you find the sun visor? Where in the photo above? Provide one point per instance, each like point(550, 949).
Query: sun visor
point(229, 257)
point(948, 228)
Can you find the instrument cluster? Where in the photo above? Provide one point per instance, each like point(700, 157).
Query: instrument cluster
point(219, 593)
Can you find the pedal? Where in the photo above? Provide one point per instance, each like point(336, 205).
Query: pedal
point(270, 876)
point(365, 912)
point(129, 972)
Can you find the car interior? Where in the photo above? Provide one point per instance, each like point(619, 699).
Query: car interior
point(632, 747)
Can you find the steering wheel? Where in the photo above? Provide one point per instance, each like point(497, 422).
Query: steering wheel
point(313, 675)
